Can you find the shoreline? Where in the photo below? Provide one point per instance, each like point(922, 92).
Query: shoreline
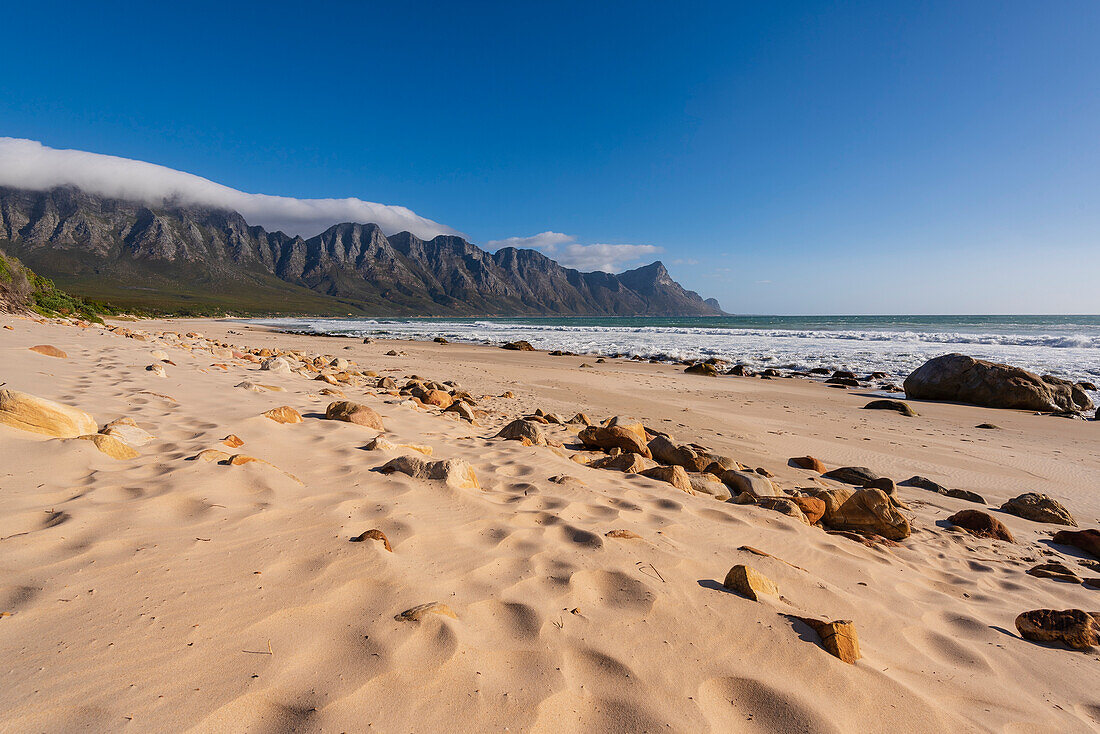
point(214, 596)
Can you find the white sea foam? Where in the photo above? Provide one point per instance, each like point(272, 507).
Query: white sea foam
point(1065, 349)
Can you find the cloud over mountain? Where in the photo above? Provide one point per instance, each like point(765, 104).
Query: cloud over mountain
point(567, 251)
point(28, 164)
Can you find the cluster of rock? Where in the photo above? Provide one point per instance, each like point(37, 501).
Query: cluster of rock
point(26, 412)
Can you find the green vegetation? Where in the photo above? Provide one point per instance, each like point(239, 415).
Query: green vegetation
point(22, 289)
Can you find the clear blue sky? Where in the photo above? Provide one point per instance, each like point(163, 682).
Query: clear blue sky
point(823, 157)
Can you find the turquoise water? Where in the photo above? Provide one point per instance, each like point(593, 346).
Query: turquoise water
point(1068, 346)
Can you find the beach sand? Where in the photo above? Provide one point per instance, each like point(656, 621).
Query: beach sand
point(163, 593)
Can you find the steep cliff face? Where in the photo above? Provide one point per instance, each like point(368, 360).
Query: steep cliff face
point(130, 253)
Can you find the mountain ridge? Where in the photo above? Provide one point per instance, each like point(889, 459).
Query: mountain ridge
point(187, 257)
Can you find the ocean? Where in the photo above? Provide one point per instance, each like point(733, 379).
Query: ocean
point(1066, 346)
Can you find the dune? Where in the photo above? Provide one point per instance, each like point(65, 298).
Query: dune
point(166, 592)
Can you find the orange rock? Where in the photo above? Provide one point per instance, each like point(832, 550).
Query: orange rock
point(374, 534)
point(49, 351)
point(838, 638)
point(419, 612)
point(624, 534)
point(811, 507)
point(233, 441)
point(284, 414)
point(810, 463)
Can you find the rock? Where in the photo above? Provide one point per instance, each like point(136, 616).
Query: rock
point(859, 476)
point(925, 483)
point(1055, 570)
point(1074, 628)
point(522, 430)
point(834, 498)
point(895, 405)
point(378, 443)
point(518, 346)
point(437, 398)
point(870, 511)
point(666, 452)
point(49, 350)
point(674, 475)
point(277, 365)
point(981, 524)
point(210, 455)
point(284, 414)
point(988, 426)
point(741, 482)
point(127, 431)
point(623, 534)
point(963, 379)
point(628, 437)
point(784, 505)
point(1086, 540)
point(463, 410)
point(357, 413)
point(440, 340)
point(250, 386)
point(233, 441)
point(810, 463)
point(373, 535)
point(111, 446)
point(702, 368)
point(386, 383)
point(964, 494)
point(886, 484)
point(580, 419)
point(838, 638)
point(455, 473)
point(157, 369)
point(624, 462)
point(417, 613)
point(708, 484)
point(843, 381)
point(38, 415)
point(749, 582)
point(1039, 508)
point(812, 507)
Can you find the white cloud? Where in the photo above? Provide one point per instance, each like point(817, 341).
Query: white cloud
point(569, 253)
point(28, 164)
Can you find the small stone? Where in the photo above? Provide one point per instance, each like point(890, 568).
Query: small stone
point(417, 613)
point(624, 534)
point(624, 462)
point(215, 455)
point(233, 441)
point(838, 638)
point(518, 346)
point(283, 414)
point(462, 410)
point(373, 535)
point(1074, 628)
point(749, 582)
point(967, 495)
point(49, 350)
point(157, 369)
point(982, 525)
point(988, 426)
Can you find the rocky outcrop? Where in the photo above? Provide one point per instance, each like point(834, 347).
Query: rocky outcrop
point(98, 247)
point(963, 379)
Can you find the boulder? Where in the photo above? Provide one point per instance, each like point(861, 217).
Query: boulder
point(812, 507)
point(453, 472)
point(834, 498)
point(284, 414)
point(751, 483)
point(386, 383)
point(870, 511)
point(860, 476)
point(708, 484)
point(702, 368)
point(462, 410)
point(277, 365)
point(523, 430)
point(1055, 570)
point(785, 506)
point(438, 398)
point(895, 405)
point(981, 524)
point(1038, 508)
point(1074, 628)
point(926, 484)
point(357, 413)
point(674, 475)
point(624, 462)
point(963, 379)
point(1086, 540)
point(127, 431)
point(810, 463)
point(111, 446)
point(38, 415)
point(666, 452)
point(518, 346)
point(749, 582)
point(965, 494)
point(49, 350)
point(838, 638)
point(626, 436)
point(886, 484)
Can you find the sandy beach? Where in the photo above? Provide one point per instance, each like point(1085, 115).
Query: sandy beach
point(166, 592)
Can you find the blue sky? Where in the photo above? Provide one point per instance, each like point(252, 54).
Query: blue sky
point(826, 157)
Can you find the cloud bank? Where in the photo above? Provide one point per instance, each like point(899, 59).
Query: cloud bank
point(28, 164)
point(568, 252)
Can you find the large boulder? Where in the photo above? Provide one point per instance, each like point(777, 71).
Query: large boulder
point(674, 475)
point(870, 511)
point(741, 482)
point(666, 452)
point(1086, 540)
point(38, 415)
point(626, 436)
point(963, 379)
point(981, 524)
point(1039, 508)
point(859, 476)
point(523, 430)
point(1074, 628)
point(706, 483)
point(357, 413)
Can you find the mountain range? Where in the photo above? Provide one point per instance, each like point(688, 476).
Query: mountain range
point(195, 259)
